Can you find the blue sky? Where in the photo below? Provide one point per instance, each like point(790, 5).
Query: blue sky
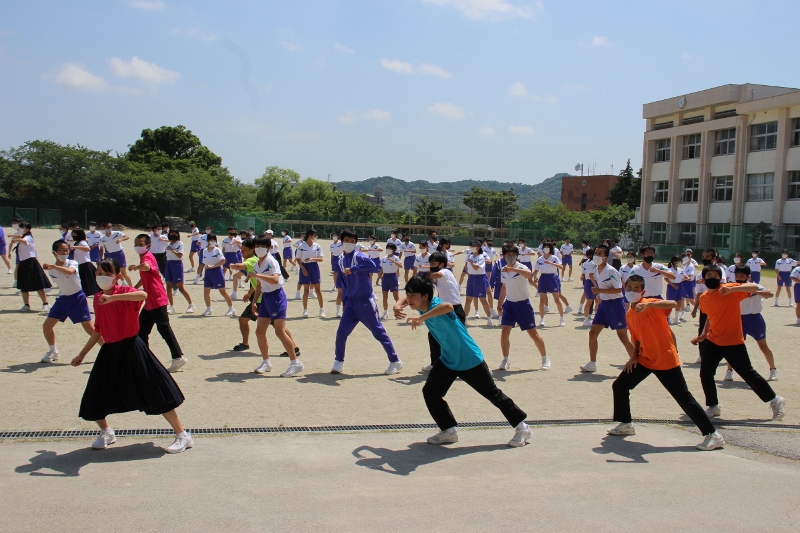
point(511, 90)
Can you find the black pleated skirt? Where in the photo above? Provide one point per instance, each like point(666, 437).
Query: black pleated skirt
point(87, 272)
point(31, 276)
point(126, 376)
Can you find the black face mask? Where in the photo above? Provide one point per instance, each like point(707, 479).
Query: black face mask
point(648, 258)
point(713, 283)
point(435, 269)
point(706, 262)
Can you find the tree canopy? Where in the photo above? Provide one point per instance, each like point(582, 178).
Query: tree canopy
point(628, 189)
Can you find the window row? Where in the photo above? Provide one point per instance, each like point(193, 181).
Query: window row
point(719, 235)
point(760, 187)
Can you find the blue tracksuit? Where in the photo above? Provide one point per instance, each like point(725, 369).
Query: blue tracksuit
point(359, 303)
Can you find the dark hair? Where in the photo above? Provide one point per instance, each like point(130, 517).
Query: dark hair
point(442, 242)
point(674, 259)
point(406, 235)
point(421, 286)
point(16, 219)
point(509, 249)
point(712, 252)
point(438, 257)
point(742, 269)
point(157, 225)
point(73, 224)
point(78, 234)
point(249, 243)
point(604, 248)
point(646, 247)
point(373, 237)
point(92, 223)
point(636, 278)
point(309, 233)
point(24, 224)
point(522, 239)
point(231, 228)
point(431, 232)
point(590, 252)
point(391, 246)
point(755, 251)
point(244, 232)
point(711, 268)
point(347, 232)
point(211, 236)
point(585, 242)
point(109, 265)
point(144, 236)
point(174, 233)
point(262, 241)
point(423, 244)
point(57, 244)
point(785, 251)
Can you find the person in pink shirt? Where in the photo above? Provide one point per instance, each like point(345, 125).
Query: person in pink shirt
point(155, 307)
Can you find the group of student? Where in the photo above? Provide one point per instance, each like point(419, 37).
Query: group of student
point(127, 376)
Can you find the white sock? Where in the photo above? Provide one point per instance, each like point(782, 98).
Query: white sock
point(522, 426)
point(53, 348)
point(451, 430)
point(338, 308)
point(544, 357)
point(715, 434)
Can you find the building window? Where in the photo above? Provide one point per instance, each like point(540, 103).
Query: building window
point(725, 142)
point(689, 190)
point(721, 236)
point(722, 189)
point(660, 192)
point(691, 146)
point(794, 185)
point(584, 201)
point(658, 233)
point(759, 186)
point(662, 150)
point(764, 136)
point(688, 234)
point(793, 237)
point(796, 132)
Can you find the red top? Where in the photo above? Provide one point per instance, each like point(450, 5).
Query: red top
point(116, 321)
point(651, 330)
point(151, 283)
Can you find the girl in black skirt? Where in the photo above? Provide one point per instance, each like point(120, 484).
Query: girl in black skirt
point(30, 276)
point(126, 376)
point(81, 253)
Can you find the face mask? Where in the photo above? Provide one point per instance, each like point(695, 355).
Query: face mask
point(633, 297)
point(141, 250)
point(165, 230)
point(476, 250)
point(62, 258)
point(15, 226)
point(208, 232)
point(91, 228)
point(511, 259)
point(736, 260)
point(755, 255)
point(705, 262)
point(713, 283)
point(784, 255)
point(435, 269)
point(173, 238)
point(631, 260)
point(546, 250)
point(597, 260)
point(105, 282)
point(212, 244)
point(685, 260)
point(74, 238)
point(108, 231)
point(349, 247)
point(335, 238)
point(407, 241)
point(648, 258)
point(372, 241)
point(261, 252)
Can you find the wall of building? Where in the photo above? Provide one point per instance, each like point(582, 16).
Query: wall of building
point(595, 187)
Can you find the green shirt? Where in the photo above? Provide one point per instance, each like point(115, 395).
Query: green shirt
point(250, 263)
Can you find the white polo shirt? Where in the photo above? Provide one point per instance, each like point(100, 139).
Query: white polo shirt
point(109, 242)
point(653, 282)
point(389, 267)
point(268, 265)
point(478, 261)
point(158, 243)
point(308, 251)
point(212, 257)
point(754, 304)
point(336, 248)
point(81, 256)
point(566, 249)
point(544, 267)
point(68, 284)
point(93, 238)
point(231, 244)
point(785, 265)
point(755, 264)
point(608, 278)
point(177, 246)
point(526, 254)
point(422, 262)
point(516, 284)
point(407, 249)
point(447, 286)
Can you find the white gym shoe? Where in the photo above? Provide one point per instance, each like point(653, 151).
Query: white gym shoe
point(495, 314)
point(305, 313)
point(265, 366)
point(713, 411)
point(230, 277)
point(297, 295)
point(541, 323)
point(427, 368)
point(622, 429)
point(337, 367)
point(587, 323)
point(14, 285)
point(545, 363)
point(777, 405)
point(569, 279)
point(444, 437)
point(105, 438)
point(321, 312)
point(568, 309)
point(521, 438)
point(190, 270)
point(230, 312)
point(505, 364)
point(45, 308)
point(25, 308)
point(174, 292)
point(728, 375)
point(295, 367)
point(489, 322)
point(773, 375)
point(313, 294)
point(476, 315)
point(234, 295)
point(208, 311)
point(578, 313)
point(561, 322)
point(338, 314)
point(393, 368)
point(591, 366)
point(50, 357)
point(385, 315)
point(546, 308)
point(775, 304)
point(190, 309)
point(176, 364)
point(711, 442)
point(171, 310)
point(181, 443)
point(196, 280)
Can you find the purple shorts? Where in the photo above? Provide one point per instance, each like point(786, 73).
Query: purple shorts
point(174, 271)
point(549, 283)
point(335, 263)
point(687, 288)
point(755, 277)
point(784, 279)
point(287, 252)
point(611, 314)
point(213, 278)
point(797, 293)
point(230, 257)
point(674, 294)
point(195, 246)
point(2, 246)
point(273, 305)
point(476, 286)
point(754, 326)
point(74, 307)
point(518, 313)
point(566, 260)
point(94, 255)
point(408, 262)
point(313, 277)
point(377, 262)
point(119, 256)
point(587, 289)
point(529, 265)
point(390, 283)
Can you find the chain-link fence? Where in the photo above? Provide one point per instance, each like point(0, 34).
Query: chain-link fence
point(6, 214)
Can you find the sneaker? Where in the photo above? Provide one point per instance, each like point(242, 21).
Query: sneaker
point(587, 323)
point(427, 368)
point(521, 438)
point(294, 368)
point(174, 292)
point(546, 309)
point(181, 443)
point(777, 408)
point(545, 363)
point(305, 313)
point(196, 280)
point(393, 368)
point(591, 366)
point(297, 295)
point(569, 279)
point(476, 316)
point(495, 314)
point(699, 360)
point(682, 318)
point(338, 314)
point(241, 347)
point(25, 308)
point(45, 308)
point(385, 315)
point(775, 304)
point(321, 313)
point(541, 323)
point(296, 353)
point(230, 277)
point(313, 294)
point(105, 438)
point(190, 309)
point(622, 429)
point(561, 322)
point(176, 364)
point(171, 310)
point(444, 437)
point(728, 375)
point(337, 367)
point(190, 270)
point(489, 322)
point(234, 295)
point(505, 364)
point(578, 313)
point(713, 411)
point(711, 442)
point(207, 312)
point(265, 366)
point(773, 375)
point(797, 321)
point(230, 312)
point(568, 309)
point(50, 357)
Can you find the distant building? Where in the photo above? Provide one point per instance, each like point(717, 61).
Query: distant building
point(376, 198)
point(586, 193)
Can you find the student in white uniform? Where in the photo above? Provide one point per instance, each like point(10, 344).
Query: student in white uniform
point(408, 254)
point(755, 263)
point(394, 240)
point(625, 273)
point(566, 258)
point(588, 300)
point(390, 266)
point(231, 248)
point(111, 241)
point(527, 255)
point(795, 275)
point(652, 272)
point(373, 251)
point(174, 273)
point(309, 257)
point(203, 244)
point(31, 277)
point(477, 283)
point(444, 247)
point(688, 283)
point(421, 265)
point(213, 259)
point(491, 256)
point(93, 238)
point(287, 249)
point(158, 247)
point(674, 291)
point(82, 255)
point(616, 254)
point(547, 270)
point(783, 270)
point(195, 244)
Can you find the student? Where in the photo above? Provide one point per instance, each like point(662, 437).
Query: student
point(213, 259)
point(795, 276)
point(444, 247)
point(547, 269)
point(309, 256)
point(71, 301)
point(4, 251)
point(674, 290)
point(566, 258)
point(30, 276)
point(753, 323)
point(195, 245)
point(476, 282)
point(585, 247)
point(374, 253)
point(723, 338)
point(272, 309)
point(433, 240)
point(654, 352)
point(93, 238)
point(15, 222)
point(783, 269)
point(126, 376)
point(155, 306)
point(390, 266)
point(359, 304)
point(111, 241)
point(588, 277)
point(652, 272)
point(72, 225)
point(287, 249)
point(526, 254)
point(491, 256)
point(250, 312)
point(688, 284)
point(158, 247)
point(616, 254)
point(203, 245)
point(517, 309)
point(81, 251)
point(610, 309)
point(496, 284)
point(707, 258)
point(174, 273)
point(230, 248)
point(393, 239)
point(421, 261)
point(755, 263)
point(461, 358)
point(238, 275)
point(408, 252)
point(625, 272)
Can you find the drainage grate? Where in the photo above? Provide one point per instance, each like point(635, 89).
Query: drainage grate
point(83, 433)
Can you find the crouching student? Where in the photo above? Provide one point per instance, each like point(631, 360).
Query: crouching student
point(460, 358)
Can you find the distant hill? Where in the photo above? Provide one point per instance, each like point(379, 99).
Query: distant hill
point(397, 192)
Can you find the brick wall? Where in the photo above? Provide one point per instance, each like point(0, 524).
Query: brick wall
point(594, 187)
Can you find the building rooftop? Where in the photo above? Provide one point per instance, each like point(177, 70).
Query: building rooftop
point(718, 96)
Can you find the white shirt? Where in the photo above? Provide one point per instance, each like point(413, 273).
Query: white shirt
point(308, 251)
point(625, 271)
point(609, 278)
point(544, 267)
point(447, 287)
point(491, 254)
point(231, 244)
point(212, 257)
point(678, 275)
point(374, 251)
point(268, 265)
point(275, 248)
point(754, 304)
point(407, 249)
point(616, 250)
point(478, 261)
point(287, 241)
point(336, 248)
point(109, 242)
point(795, 273)
point(177, 246)
point(68, 284)
point(516, 284)
point(93, 238)
point(689, 272)
point(27, 248)
point(421, 262)
point(80, 256)
point(653, 284)
point(755, 264)
point(526, 254)
point(785, 265)
point(158, 243)
point(389, 267)
point(397, 242)
point(195, 234)
point(566, 249)
point(727, 273)
point(588, 267)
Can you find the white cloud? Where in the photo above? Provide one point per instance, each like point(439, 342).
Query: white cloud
point(436, 71)
point(75, 75)
point(342, 49)
point(289, 45)
point(487, 131)
point(600, 41)
point(490, 9)
point(447, 110)
point(578, 87)
point(395, 65)
point(521, 130)
point(142, 70)
point(149, 5)
point(518, 89)
point(195, 33)
point(370, 114)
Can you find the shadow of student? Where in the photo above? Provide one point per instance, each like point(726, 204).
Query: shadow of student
point(403, 462)
point(332, 380)
point(634, 451)
point(29, 368)
point(414, 379)
point(590, 377)
point(69, 464)
point(239, 377)
point(231, 354)
point(501, 375)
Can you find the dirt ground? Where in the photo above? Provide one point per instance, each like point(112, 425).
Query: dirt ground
point(222, 391)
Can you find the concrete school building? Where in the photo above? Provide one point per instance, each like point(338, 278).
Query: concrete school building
point(718, 162)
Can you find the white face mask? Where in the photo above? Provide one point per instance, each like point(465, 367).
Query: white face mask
point(633, 297)
point(62, 258)
point(208, 232)
point(141, 250)
point(15, 226)
point(631, 260)
point(685, 260)
point(91, 228)
point(349, 247)
point(108, 231)
point(261, 252)
point(737, 260)
point(476, 250)
point(784, 255)
point(105, 282)
point(212, 244)
point(597, 260)
point(755, 255)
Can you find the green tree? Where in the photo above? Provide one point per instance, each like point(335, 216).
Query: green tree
point(628, 188)
point(428, 211)
point(762, 237)
point(495, 206)
point(274, 186)
point(172, 147)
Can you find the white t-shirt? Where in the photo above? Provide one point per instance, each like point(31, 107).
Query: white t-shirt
point(544, 267)
point(231, 244)
point(754, 304)
point(287, 241)
point(374, 251)
point(68, 284)
point(158, 243)
point(586, 249)
point(308, 251)
point(93, 238)
point(81, 256)
point(727, 273)
point(616, 252)
point(336, 248)
point(526, 254)
point(785, 265)
point(447, 286)
point(588, 267)
point(109, 242)
point(608, 278)
point(653, 284)
point(407, 249)
point(478, 261)
point(689, 271)
point(389, 267)
point(211, 257)
point(490, 253)
point(27, 248)
point(421, 262)
point(516, 284)
point(625, 271)
point(755, 264)
point(275, 248)
point(195, 234)
point(177, 246)
point(678, 275)
point(397, 242)
point(566, 249)
point(795, 273)
point(268, 265)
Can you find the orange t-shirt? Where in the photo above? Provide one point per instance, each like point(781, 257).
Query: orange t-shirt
point(651, 330)
point(724, 315)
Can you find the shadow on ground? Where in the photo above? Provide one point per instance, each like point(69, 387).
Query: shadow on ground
point(69, 464)
point(404, 462)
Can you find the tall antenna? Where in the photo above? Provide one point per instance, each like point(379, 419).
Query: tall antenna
point(329, 177)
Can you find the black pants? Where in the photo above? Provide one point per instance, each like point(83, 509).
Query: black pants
point(703, 318)
point(161, 260)
point(159, 317)
point(479, 378)
point(616, 263)
point(713, 354)
point(675, 384)
point(436, 350)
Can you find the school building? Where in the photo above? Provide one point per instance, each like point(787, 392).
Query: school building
point(721, 168)
point(586, 193)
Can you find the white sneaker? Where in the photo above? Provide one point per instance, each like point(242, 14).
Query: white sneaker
point(444, 437)
point(521, 438)
point(489, 322)
point(230, 277)
point(321, 312)
point(313, 294)
point(45, 308)
point(427, 368)
point(305, 313)
point(773, 375)
point(622, 429)
point(546, 308)
point(775, 304)
point(297, 295)
point(105, 438)
point(10, 271)
point(50, 357)
point(568, 309)
point(578, 313)
point(14, 285)
point(25, 308)
point(385, 315)
point(337, 367)
point(230, 312)
point(505, 364)
point(711, 442)
point(562, 323)
point(207, 312)
point(545, 363)
point(797, 321)
point(393, 368)
point(242, 285)
point(587, 323)
point(682, 318)
point(265, 366)
point(190, 309)
point(777, 406)
point(174, 292)
point(234, 295)
point(181, 443)
point(176, 364)
point(569, 279)
point(294, 368)
point(541, 323)
point(190, 270)
point(196, 280)
point(495, 314)
point(591, 366)
point(728, 375)
point(171, 310)
point(338, 314)
point(713, 411)
point(476, 315)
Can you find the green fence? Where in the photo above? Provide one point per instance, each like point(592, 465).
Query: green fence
point(28, 214)
point(6, 214)
point(50, 218)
